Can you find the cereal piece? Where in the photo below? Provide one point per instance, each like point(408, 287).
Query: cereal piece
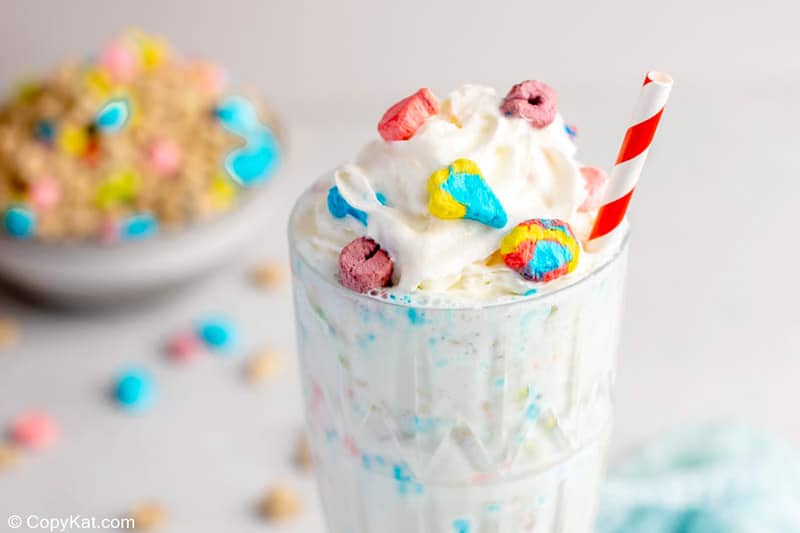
point(44, 193)
point(9, 455)
point(34, 430)
point(9, 333)
point(165, 157)
point(401, 121)
point(280, 503)
point(74, 110)
point(45, 131)
point(148, 515)
point(109, 230)
point(541, 249)
point(121, 188)
point(302, 454)
point(184, 346)
point(98, 81)
point(263, 366)
point(120, 61)
point(223, 192)
point(73, 140)
point(218, 334)
point(533, 101)
point(364, 266)
point(113, 116)
point(19, 222)
point(459, 191)
point(139, 227)
point(269, 275)
point(135, 390)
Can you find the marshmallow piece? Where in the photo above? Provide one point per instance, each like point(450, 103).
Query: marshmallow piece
point(401, 121)
point(459, 191)
point(364, 266)
point(19, 222)
point(120, 61)
point(165, 157)
point(44, 193)
point(541, 249)
point(534, 101)
point(35, 430)
point(134, 390)
point(595, 180)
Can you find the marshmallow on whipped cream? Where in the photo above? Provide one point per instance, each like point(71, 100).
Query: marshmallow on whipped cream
point(525, 168)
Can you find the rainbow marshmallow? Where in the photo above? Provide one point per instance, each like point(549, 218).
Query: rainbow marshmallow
point(541, 249)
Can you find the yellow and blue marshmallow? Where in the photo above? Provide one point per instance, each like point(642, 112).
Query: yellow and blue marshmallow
point(459, 191)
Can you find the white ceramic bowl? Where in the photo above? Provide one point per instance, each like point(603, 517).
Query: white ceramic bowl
point(89, 274)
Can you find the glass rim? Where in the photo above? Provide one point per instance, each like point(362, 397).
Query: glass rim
point(621, 246)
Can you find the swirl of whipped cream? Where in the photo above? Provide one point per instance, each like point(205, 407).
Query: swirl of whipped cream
point(531, 171)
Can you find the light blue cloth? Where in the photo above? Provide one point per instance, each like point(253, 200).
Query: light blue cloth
point(715, 479)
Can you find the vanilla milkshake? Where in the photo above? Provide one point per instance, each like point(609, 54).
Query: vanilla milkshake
point(458, 342)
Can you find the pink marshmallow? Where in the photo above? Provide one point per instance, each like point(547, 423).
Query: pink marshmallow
point(363, 266)
point(403, 119)
point(212, 77)
point(121, 63)
point(44, 193)
point(533, 101)
point(595, 180)
point(184, 346)
point(109, 231)
point(35, 430)
point(165, 157)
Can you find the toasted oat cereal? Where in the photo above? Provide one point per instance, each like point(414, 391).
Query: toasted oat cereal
point(269, 275)
point(302, 454)
point(138, 141)
point(263, 366)
point(280, 503)
point(9, 333)
point(149, 515)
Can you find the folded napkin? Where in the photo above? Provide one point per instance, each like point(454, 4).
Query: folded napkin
point(713, 479)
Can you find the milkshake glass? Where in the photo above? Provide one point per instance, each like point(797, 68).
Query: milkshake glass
point(457, 339)
point(459, 419)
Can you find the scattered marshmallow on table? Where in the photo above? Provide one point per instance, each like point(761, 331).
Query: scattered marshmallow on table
point(135, 389)
point(218, 333)
point(183, 346)
point(35, 430)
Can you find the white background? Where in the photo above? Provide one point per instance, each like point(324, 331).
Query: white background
point(712, 329)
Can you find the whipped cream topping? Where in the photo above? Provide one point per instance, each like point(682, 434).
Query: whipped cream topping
point(532, 172)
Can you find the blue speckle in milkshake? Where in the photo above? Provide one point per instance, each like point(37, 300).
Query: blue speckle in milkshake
point(533, 412)
point(416, 317)
point(500, 383)
point(493, 507)
point(529, 292)
point(401, 473)
point(461, 525)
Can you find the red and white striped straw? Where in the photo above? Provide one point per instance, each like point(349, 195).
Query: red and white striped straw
point(632, 154)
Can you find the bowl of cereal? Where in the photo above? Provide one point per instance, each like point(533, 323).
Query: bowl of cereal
point(128, 174)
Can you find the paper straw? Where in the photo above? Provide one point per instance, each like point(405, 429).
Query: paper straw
point(632, 153)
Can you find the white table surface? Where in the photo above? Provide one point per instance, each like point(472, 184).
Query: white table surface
point(711, 329)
